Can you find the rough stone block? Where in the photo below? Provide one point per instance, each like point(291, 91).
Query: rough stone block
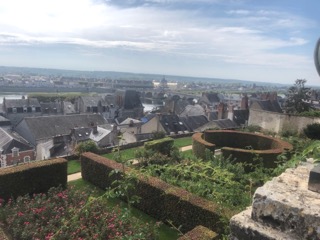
point(244, 228)
point(286, 204)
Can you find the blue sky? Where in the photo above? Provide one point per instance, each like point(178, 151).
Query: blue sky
point(256, 40)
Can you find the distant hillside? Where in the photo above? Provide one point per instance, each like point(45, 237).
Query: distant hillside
point(122, 75)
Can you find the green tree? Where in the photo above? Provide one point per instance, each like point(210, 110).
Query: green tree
point(298, 98)
point(87, 146)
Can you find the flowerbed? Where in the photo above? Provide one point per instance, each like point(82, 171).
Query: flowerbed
point(69, 214)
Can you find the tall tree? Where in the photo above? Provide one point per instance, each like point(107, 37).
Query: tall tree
point(298, 98)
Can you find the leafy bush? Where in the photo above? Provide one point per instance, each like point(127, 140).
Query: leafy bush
point(252, 128)
point(87, 146)
point(67, 214)
point(162, 146)
point(312, 131)
point(158, 135)
point(312, 113)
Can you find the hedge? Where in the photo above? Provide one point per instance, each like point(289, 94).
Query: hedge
point(157, 198)
point(33, 177)
point(199, 145)
point(242, 146)
point(163, 145)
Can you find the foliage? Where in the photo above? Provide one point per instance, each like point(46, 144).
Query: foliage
point(162, 146)
point(312, 131)
point(313, 113)
point(87, 146)
point(75, 217)
point(298, 98)
point(252, 128)
point(34, 177)
point(313, 150)
point(158, 134)
point(74, 166)
point(51, 97)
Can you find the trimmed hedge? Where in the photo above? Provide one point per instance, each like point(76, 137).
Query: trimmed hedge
point(34, 177)
point(199, 145)
point(163, 145)
point(242, 146)
point(199, 233)
point(158, 198)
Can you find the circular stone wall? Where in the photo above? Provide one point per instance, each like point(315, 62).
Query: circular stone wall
point(242, 146)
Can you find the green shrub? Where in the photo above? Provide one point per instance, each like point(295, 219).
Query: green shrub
point(34, 177)
point(158, 135)
point(87, 146)
point(253, 128)
point(162, 146)
point(312, 131)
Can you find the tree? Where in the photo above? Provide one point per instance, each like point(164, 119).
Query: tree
point(87, 146)
point(298, 98)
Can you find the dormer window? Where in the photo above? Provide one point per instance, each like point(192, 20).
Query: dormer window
point(14, 110)
point(33, 108)
point(15, 152)
point(25, 109)
point(26, 159)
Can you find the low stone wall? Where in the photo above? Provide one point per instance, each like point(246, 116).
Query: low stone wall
point(242, 146)
point(283, 208)
point(157, 198)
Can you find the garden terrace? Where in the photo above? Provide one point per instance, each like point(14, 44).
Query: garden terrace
point(157, 198)
point(242, 146)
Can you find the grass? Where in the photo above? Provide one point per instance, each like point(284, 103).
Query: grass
point(182, 142)
point(74, 166)
point(126, 154)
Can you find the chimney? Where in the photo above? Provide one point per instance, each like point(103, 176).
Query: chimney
point(95, 129)
point(230, 112)
point(244, 102)
point(220, 110)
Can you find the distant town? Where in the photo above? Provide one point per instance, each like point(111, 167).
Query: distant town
point(45, 113)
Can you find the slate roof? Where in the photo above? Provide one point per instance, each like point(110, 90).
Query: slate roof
point(50, 126)
point(240, 116)
point(82, 134)
point(10, 140)
point(192, 110)
point(268, 105)
point(172, 123)
point(129, 121)
point(194, 122)
point(148, 117)
point(219, 124)
point(14, 103)
point(132, 99)
point(68, 108)
point(94, 101)
point(213, 115)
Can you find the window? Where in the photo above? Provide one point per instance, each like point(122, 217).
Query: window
point(15, 152)
point(14, 110)
point(26, 159)
point(33, 108)
point(3, 162)
point(25, 109)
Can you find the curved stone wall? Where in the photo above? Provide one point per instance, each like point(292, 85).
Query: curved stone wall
point(242, 146)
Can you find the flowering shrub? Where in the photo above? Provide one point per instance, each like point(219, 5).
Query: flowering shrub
point(69, 214)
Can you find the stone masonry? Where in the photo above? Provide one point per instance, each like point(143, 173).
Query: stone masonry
point(282, 209)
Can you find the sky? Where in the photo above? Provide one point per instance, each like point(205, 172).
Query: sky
point(256, 40)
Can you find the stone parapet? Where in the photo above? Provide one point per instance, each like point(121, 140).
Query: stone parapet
point(283, 206)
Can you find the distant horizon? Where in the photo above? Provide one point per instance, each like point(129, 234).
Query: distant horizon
point(208, 79)
point(266, 41)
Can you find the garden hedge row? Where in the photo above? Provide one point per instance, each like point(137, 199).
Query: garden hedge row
point(158, 198)
point(242, 146)
point(199, 145)
point(34, 177)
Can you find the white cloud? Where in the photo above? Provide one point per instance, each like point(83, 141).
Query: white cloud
point(241, 36)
